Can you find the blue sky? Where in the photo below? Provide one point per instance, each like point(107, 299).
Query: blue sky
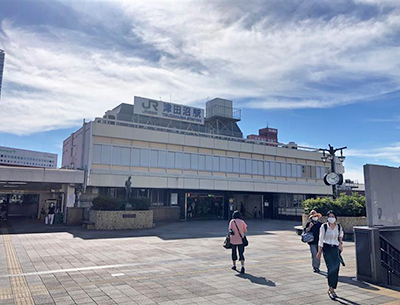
point(322, 72)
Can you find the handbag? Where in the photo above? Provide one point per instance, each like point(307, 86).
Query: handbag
point(244, 238)
point(227, 242)
point(307, 237)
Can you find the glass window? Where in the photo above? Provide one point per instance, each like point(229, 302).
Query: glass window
point(178, 160)
point(125, 156)
point(283, 169)
point(272, 168)
point(242, 166)
point(222, 164)
point(116, 155)
point(105, 154)
point(97, 153)
point(277, 168)
point(318, 172)
point(236, 165)
point(194, 161)
point(313, 172)
point(229, 165)
point(135, 157)
point(216, 164)
point(202, 162)
point(154, 158)
point(144, 157)
point(248, 166)
point(171, 160)
point(299, 171)
point(162, 161)
point(288, 170)
point(255, 169)
point(186, 161)
point(260, 167)
point(209, 163)
point(266, 168)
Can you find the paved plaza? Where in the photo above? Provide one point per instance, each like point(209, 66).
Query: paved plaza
point(179, 263)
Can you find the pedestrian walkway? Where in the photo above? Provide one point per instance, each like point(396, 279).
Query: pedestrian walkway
point(179, 263)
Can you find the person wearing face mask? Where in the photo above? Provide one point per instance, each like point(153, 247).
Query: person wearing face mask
point(313, 226)
point(331, 244)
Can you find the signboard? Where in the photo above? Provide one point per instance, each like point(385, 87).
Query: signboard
point(174, 198)
point(166, 110)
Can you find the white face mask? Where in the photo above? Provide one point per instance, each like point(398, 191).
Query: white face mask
point(315, 218)
point(332, 219)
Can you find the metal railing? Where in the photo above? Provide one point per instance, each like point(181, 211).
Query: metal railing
point(390, 259)
point(200, 134)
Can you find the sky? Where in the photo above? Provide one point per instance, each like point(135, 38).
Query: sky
point(321, 71)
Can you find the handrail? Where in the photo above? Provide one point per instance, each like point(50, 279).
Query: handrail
point(390, 258)
point(202, 134)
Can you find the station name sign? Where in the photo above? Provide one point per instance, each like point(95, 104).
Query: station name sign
point(166, 110)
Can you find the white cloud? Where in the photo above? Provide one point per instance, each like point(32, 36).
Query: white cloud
point(53, 80)
point(389, 155)
point(355, 174)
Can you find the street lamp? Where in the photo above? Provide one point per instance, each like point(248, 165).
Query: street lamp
point(332, 178)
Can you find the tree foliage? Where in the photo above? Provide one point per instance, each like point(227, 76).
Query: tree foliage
point(344, 205)
point(105, 203)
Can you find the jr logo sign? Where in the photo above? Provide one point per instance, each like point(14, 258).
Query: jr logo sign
point(170, 111)
point(152, 105)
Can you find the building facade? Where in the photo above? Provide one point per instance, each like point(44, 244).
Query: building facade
point(205, 167)
point(27, 158)
point(2, 59)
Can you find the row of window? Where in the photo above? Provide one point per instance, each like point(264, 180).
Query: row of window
point(26, 158)
point(4, 161)
point(125, 156)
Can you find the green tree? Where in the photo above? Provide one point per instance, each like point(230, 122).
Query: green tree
point(344, 205)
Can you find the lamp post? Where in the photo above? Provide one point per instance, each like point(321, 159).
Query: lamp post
point(333, 178)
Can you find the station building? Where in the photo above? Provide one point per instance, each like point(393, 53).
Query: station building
point(193, 160)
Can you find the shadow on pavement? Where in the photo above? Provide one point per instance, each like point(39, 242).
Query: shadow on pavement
point(353, 281)
point(256, 280)
point(345, 301)
point(166, 231)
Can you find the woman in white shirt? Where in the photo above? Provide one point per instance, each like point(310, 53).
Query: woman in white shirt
point(330, 243)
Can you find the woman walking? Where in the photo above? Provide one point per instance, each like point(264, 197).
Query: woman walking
point(237, 229)
point(313, 226)
point(330, 243)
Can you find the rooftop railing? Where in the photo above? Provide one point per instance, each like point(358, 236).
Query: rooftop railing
point(202, 134)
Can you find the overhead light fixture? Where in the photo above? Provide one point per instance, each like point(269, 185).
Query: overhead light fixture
point(323, 157)
point(330, 157)
point(17, 183)
point(341, 158)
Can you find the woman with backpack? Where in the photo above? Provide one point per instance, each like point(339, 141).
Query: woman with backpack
point(313, 226)
point(331, 244)
point(237, 229)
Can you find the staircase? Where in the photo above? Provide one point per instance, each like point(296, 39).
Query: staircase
point(390, 260)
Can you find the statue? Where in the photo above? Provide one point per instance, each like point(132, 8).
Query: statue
point(128, 184)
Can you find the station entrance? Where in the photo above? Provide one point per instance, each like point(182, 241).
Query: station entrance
point(205, 206)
